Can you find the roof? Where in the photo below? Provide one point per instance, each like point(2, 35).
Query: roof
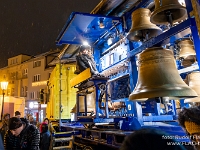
point(82, 26)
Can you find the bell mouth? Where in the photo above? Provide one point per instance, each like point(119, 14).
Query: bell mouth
point(179, 92)
point(138, 34)
point(192, 100)
point(174, 9)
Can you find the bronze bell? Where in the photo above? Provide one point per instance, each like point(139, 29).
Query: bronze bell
point(186, 48)
point(158, 77)
point(168, 11)
point(188, 61)
point(142, 29)
point(194, 83)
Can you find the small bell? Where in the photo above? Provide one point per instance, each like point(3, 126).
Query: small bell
point(142, 29)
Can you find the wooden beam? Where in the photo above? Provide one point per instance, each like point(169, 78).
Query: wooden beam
point(86, 74)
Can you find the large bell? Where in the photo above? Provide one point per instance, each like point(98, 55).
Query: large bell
point(158, 77)
point(188, 61)
point(142, 29)
point(194, 83)
point(168, 12)
point(186, 48)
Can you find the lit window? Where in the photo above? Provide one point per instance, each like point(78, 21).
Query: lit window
point(25, 72)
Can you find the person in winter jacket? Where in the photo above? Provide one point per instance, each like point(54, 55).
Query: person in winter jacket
point(5, 127)
point(45, 137)
point(85, 60)
point(21, 135)
point(189, 120)
point(17, 114)
point(50, 127)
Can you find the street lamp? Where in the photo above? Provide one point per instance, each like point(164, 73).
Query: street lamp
point(4, 86)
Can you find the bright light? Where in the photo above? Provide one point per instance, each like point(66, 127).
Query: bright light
point(85, 43)
point(4, 85)
point(182, 2)
point(31, 105)
point(109, 41)
point(35, 105)
point(43, 105)
point(101, 24)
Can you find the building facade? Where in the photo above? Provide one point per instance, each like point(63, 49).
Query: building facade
point(26, 76)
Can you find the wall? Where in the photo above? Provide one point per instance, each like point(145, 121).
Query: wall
point(68, 94)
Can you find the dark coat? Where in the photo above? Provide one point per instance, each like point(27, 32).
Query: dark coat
point(28, 139)
point(45, 139)
point(1, 143)
point(5, 125)
point(85, 61)
point(4, 128)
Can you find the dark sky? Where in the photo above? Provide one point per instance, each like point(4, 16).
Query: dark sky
point(32, 26)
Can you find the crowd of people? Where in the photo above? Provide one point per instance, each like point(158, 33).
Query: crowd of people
point(18, 133)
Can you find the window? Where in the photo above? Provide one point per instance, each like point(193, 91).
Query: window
point(36, 64)
point(31, 95)
point(26, 91)
point(12, 92)
point(111, 58)
point(34, 95)
point(13, 75)
point(22, 91)
point(36, 78)
point(8, 91)
point(38, 94)
point(25, 72)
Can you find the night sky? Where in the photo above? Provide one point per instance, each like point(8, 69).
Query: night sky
point(32, 26)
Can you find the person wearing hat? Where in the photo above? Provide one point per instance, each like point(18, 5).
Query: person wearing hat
point(189, 119)
point(17, 114)
point(21, 135)
point(45, 136)
point(85, 60)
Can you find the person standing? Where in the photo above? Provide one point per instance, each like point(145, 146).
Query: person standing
point(45, 137)
point(21, 135)
point(31, 120)
point(50, 127)
point(5, 127)
point(189, 119)
point(17, 114)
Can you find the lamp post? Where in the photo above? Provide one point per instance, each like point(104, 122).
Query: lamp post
point(4, 86)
